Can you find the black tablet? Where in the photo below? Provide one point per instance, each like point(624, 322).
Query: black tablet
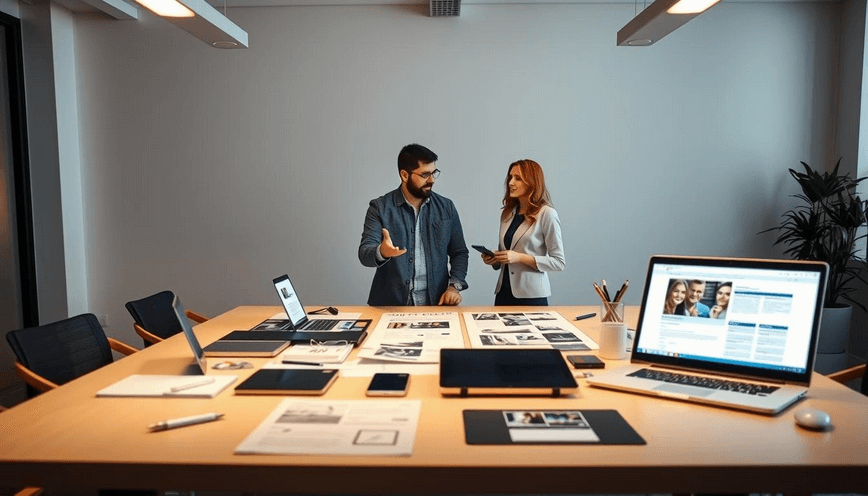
point(504, 372)
point(288, 381)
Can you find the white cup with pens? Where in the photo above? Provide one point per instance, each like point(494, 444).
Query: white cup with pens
point(613, 331)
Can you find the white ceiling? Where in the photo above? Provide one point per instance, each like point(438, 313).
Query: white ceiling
point(81, 6)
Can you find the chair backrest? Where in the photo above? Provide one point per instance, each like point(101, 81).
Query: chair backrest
point(154, 313)
point(63, 350)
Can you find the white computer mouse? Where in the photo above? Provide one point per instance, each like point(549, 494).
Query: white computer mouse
point(813, 419)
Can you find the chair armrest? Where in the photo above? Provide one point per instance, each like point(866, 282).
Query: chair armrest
point(29, 491)
point(37, 381)
point(147, 336)
point(848, 375)
point(196, 317)
point(121, 347)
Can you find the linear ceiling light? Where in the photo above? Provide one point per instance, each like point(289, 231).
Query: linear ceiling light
point(200, 19)
point(659, 19)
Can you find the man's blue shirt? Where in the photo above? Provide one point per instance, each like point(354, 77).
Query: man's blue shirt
point(446, 254)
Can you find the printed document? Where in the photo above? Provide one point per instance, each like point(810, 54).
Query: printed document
point(316, 427)
point(413, 337)
point(531, 329)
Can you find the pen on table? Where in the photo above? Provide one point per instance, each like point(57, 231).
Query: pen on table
point(184, 421)
point(296, 362)
point(192, 385)
point(585, 316)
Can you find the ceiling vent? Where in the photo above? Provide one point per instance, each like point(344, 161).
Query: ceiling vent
point(444, 8)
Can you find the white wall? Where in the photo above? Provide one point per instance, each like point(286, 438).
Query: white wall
point(209, 172)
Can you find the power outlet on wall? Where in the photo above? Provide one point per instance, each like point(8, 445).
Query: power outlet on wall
point(102, 319)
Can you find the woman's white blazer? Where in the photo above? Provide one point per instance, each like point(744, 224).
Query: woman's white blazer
point(542, 239)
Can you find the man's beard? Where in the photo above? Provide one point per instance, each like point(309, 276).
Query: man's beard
point(418, 192)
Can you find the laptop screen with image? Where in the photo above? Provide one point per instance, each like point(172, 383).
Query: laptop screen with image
point(289, 298)
point(758, 318)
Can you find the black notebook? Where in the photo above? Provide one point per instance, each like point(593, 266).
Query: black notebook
point(288, 381)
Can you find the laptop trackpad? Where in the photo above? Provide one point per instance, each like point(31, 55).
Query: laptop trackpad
point(688, 390)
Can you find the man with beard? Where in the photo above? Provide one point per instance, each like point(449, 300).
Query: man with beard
point(413, 237)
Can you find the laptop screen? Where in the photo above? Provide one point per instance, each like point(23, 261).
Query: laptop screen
point(758, 318)
point(198, 353)
point(289, 298)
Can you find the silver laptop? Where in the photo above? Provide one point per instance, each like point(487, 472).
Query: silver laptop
point(198, 352)
point(736, 333)
point(298, 319)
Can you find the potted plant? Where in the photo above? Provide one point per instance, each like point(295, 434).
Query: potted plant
point(825, 227)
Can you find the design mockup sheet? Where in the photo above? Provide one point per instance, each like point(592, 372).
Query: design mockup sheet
point(317, 427)
point(533, 329)
point(413, 337)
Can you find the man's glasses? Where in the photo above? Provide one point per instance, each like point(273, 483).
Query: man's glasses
point(425, 175)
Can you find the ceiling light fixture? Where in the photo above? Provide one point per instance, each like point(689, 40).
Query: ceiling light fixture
point(659, 19)
point(116, 8)
point(200, 19)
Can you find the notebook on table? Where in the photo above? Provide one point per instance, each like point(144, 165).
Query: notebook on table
point(754, 353)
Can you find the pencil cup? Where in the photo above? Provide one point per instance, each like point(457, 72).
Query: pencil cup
point(613, 340)
point(611, 312)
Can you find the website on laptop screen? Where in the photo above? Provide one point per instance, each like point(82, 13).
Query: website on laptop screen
point(289, 298)
point(730, 315)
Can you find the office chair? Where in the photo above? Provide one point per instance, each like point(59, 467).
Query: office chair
point(847, 375)
point(54, 354)
point(155, 319)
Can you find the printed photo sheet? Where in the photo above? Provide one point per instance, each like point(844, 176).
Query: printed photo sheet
point(532, 329)
point(316, 427)
point(413, 337)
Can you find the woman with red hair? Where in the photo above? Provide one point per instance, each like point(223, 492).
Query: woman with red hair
point(530, 243)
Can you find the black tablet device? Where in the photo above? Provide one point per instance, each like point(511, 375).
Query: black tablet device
point(504, 372)
point(288, 381)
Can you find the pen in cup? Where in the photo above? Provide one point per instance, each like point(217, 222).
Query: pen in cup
point(191, 385)
point(184, 421)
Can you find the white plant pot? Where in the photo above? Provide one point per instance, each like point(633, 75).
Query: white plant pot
point(834, 329)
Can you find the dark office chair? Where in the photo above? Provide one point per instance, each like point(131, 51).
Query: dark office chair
point(155, 319)
point(847, 375)
point(54, 354)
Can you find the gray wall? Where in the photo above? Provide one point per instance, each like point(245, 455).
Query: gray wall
point(209, 172)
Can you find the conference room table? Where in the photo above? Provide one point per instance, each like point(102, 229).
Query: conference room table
point(68, 438)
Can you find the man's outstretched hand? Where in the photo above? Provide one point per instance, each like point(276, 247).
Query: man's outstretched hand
point(387, 249)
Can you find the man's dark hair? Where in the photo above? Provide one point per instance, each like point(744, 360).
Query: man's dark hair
point(412, 156)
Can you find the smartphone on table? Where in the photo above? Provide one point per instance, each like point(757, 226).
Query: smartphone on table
point(586, 362)
point(383, 384)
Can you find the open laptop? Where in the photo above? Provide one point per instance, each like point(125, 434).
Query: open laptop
point(755, 353)
point(236, 348)
point(297, 316)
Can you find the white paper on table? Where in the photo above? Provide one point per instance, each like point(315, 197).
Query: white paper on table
point(339, 316)
point(413, 337)
point(543, 329)
point(352, 427)
point(138, 385)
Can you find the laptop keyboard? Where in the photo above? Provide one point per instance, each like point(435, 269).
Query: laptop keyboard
point(705, 382)
point(320, 325)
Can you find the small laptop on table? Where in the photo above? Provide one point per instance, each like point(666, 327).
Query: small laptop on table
point(298, 328)
point(754, 353)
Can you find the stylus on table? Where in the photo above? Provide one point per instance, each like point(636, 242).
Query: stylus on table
point(585, 316)
point(184, 421)
point(192, 385)
point(296, 362)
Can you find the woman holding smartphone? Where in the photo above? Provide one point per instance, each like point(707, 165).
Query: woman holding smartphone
point(530, 243)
